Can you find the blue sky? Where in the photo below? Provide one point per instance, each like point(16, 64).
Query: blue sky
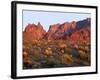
point(49, 18)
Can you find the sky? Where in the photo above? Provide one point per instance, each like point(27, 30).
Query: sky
point(49, 18)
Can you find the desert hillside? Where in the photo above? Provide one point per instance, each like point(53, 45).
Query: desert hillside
point(63, 45)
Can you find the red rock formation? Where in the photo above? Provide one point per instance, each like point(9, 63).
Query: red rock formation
point(58, 31)
point(73, 24)
point(33, 32)
point(82, 35)
point(78, 31)
point(51, 32)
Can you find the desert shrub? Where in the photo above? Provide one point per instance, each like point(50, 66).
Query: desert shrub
point(74, 52)
point(84, 56)
point(56, 53)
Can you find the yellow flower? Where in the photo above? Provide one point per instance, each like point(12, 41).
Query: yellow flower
point(48, 51)
point(63, 46)
point(62, 51)
point(49, 48)
point(68, 57)
point(25, 54)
